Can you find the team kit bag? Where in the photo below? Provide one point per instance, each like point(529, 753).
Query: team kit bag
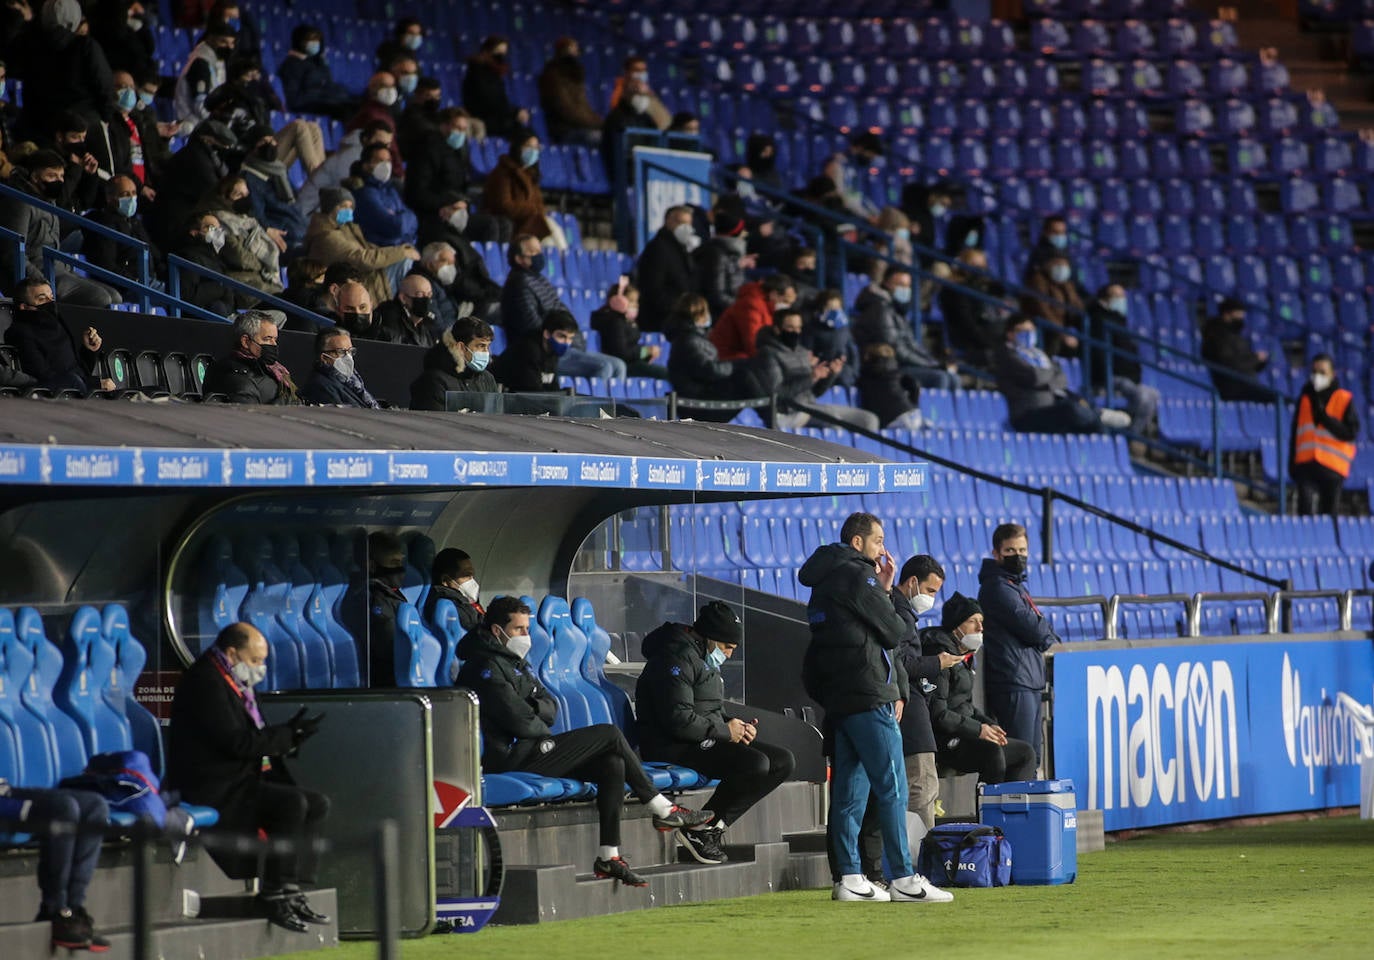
point(966, 855)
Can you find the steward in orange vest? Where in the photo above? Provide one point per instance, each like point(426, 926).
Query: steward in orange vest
point(1322, 445)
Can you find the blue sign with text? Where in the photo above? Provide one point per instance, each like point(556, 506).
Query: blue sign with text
point(657, 189)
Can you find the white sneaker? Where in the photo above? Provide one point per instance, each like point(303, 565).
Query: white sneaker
point(917, 889)
point(857, 888)
point(1114, 419)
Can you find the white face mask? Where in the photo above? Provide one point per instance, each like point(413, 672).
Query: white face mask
point(345, 366)
point(215, 237)
point(458, 220)
point(387, 96)
point(922, 602)
point(1320, 382)
point(520, 646)
point(382, 171)
point(972, 641)
point(639, 103)
point(685, 234)
point(248, 675)
point(469, 588)
point(446, 274)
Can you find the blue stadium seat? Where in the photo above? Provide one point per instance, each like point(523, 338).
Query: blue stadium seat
point(417, 651)
point(448, 630)
point(87, 662)
point(322, 612)
point(118, 688)
point(23, 736)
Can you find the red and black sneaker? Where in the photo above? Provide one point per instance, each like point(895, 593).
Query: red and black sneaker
point(73, 930)
point(617, 869)
point(679, 818)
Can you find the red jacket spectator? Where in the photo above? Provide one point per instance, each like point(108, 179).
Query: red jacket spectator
point(737, 329)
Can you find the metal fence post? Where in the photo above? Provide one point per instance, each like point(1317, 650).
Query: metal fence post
point(388, 896)
point(1047, 525)
point(1281, 466)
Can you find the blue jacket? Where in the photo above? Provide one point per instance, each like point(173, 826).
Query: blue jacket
point(1015, 632)
point(526, 299)
point(273, 210)
point(382, 214)
point(326, 388)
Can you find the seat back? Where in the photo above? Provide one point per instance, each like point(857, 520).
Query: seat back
point(148, 369)
point(222, 588)
point(594, 669)
point(319, 651)
point(417, 651)
point(26, 749)
point(419, 562)
point(68, 744)
point(450, 631)
point(176, 367)
point(321, 610)
point(268, 607)
point(118, 691)
point(564, 665)
point(541, 649)
point(87, 661)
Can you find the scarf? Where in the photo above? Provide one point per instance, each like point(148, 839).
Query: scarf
point(246, 695)
point(277, 370)
point(1034, 356)
point(274, 172)
point(355, 382)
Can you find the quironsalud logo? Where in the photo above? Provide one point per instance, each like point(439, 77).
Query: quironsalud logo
point(1324, 733)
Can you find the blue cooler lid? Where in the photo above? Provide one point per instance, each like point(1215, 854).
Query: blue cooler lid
point(1025, 786)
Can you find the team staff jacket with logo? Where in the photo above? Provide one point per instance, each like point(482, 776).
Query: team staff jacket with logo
point(679, 698)
point(852, 664)
point(516, 710)
point(1015, 632)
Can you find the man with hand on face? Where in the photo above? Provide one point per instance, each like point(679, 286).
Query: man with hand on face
point(853, 670)
point(455, 578)
point(224, 755)
point(1017, 635)
point(516, 715)
point(48, 349)
point(335, 380)
point(680, 704)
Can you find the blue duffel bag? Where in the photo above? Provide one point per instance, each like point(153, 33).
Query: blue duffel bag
point(965, 855)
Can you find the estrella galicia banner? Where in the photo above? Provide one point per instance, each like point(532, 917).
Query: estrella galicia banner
point(1174, 734)
point(657, 189)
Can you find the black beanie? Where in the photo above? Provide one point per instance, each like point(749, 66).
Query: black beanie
point(958, 608)
point(716, 621)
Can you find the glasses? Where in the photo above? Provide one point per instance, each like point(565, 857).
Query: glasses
point(350, 352)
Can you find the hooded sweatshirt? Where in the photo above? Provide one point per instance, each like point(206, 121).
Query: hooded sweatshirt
point(679, 697)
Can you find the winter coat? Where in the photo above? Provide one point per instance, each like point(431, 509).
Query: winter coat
point(394, 326)
point(527, 366)
point(736, 331)
point(70, 74)
point(526, 300)
point(445, 370)
point(309, 85)
point(50, 352)
point(663, 273)
point(371, 111)
point(469, 618)
point(473, 284)
point(974, 325)
point(515, 711)
point(331, 173)
point(486, 98)
point(1123, 366)
point(249, 252)
point(679, 698)
point(190, 176)
point(563, 97)
point(328, 389)
point(120, 258)
point(852, 664)
point(696, 370)
point(1015, 633)
point(331, 242)
point(886, 392)
point(202, 74)
point(618, 120)
point(1063, 307)
point(952, 713)
point(878, 321)
point(246, 380)
point(922, 673)
point(382, 214)
point(1228, 347)
point(619, 334)
point(199, 289)
point(274, 205)
point(778, 368)
point(38, 227)
point(1025, 386)
point(511, 192)
point(721, 278)
point(433, 168)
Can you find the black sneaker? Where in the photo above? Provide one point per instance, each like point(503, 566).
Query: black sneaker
point(617, 869)
point(98, 944)
point(703, 845)
point(305, 911)
point(70, 931)
point(278, 911)
point(679, 817)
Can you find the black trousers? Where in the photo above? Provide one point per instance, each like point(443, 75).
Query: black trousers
point(69, 844)
point(1319, 490)
point(287, 812)
point(601, 755)
point(747, 773)
point(993, 764)
point(1020, 711)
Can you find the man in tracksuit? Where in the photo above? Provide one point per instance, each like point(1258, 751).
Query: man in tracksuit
point(680, 702)
point(853, 670)
point(1016, 636)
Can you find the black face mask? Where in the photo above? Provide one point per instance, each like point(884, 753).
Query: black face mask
point(789, 339)
point(357, 321)
point(47, 310)
point(221, 53)
point(242, 205)
point(430, 106)
point(77, 148)
point(268, 151)
point(268, 353)
point(391, 576)
point(1014, 564)
point(419, 306)
point(52, 189)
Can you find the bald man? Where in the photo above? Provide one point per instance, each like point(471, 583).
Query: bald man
point(225, 756)
point(409, 318)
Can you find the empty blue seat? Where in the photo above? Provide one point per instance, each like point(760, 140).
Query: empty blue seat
point(87, 662)
point(417, 651)
point(118, 688)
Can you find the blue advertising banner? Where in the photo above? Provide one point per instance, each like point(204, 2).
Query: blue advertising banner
point(1174, 734)
point(656, 190)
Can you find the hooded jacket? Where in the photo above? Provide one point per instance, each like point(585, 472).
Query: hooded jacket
point(952, 713)
point(679, 697)
point(736, 331)
point(922, 671)
point(446, 369)
point(516, 710)
point(1015, 632)
point(852, 664)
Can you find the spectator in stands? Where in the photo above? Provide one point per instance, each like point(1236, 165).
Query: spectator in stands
point(1053, 242)
point(333, 237)
point(666, 268)
point(636, 71)
point(305, 285)
point(927, 207)
point(386, 571)
point(335, 170)
point(13, 378)
point(484, 92)
point(897, 226)
point(41, 177)
point(531, 362)
point(849, 668)
point(965, 232)
point(783, 367)
point(49, 351)
point(736, 332)
point(154, 135)
point(440, 164)
point(516, 714)
point(409, 317)
point(223, 754)
point(380, 212)
point(616, 323)
point(632, 112)
point(974, 325)
point(420, 116)
point(881, 311)
point(191, 175)
point(205, 70)
point(885, 391)
point(827, 333)
point(121, 28)
point(63, 69)
point(761, 160)
point(406, 69)
point(680, 697)
point(407, 37)
point(70, 825)
point(1058, 302)
point(528, 296)
point(436, 258)
point(251, 252)
point(1225, 345)
point(204, 242)
point(252, 373)
point(335, 380)
point(354, 310)
point(120, 214)
point(563, 97)
point(379, 106)
point(457, 363)
point(512, 188)
point(271, 199)
point(694, 366)
point(246, 106)
point(1037, 390)
point(849, 172)
point(1018, 635)
point(1322, 440)
point(230, 13)
point(81, 187)
point(968, 739)
point(721, 265)
point(1106, 319)
point(122, 146)
point(454, 578)
point(306, 80)
point(471, 281)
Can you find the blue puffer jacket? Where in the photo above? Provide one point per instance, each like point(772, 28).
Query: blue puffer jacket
point(1015, 632)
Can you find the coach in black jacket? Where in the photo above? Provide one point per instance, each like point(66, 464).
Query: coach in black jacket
point(225, 756)
point(679, 699)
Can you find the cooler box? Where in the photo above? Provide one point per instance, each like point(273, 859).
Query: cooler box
point(1040, 817)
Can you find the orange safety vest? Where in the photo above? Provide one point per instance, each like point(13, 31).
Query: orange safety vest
point(1316, 444)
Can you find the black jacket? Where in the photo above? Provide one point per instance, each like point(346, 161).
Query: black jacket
point(778, 368)
point(878, 321)
point(1228, 347)
point(526, 299)
point(50, 352)
point(394, 326)
point(442, 374)
point(189, 177)
point(310, 87)
point(474, 283)
point(664, 272)
point(383, 603)
point(719, 274)
point(468, 617)
point(527, 366)
point(974, 326)
point(325, 388)
point(678, 697)
point(120, 258)
point(245, 380)
point(952, 713)
point(619, 334)
point(1123, 363)
point(696, 370)
point(1015, 632)
point(516, 710)
point(215, 752)
point(885, 391)
point(852, 664)
point(485, 97)
point(432, 169)
point(922, 672)
point(71, 75)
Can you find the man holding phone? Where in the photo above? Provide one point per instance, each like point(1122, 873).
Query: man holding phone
point(680, 701)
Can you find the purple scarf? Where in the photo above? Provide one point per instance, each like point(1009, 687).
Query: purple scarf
point(246, 695)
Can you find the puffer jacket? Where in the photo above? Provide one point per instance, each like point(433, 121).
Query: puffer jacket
point(778, 368)
point(696, 370)
point(331, 242)
point(515, 711)
point(952, 713)
point(736, 331)
point(446, 370)
point(922, 672)
point(878, 321)
point(678, 698)
point(1015, 632)
point(719, 273)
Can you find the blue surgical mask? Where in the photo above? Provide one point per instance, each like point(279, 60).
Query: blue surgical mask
point(344, 215)
point(479, 360)
point(558, 347)
point(1117, 305)
point(233, 23)
point(902, 295)
point(127, 206)
point(145, 98)
point(1026, 338)
point(312, 48)
point(1059, 241)
point(529, 156)
point(715, 658)
point(413, 41)
point(902, 233)
point(538, 262)
point(938, 210)
point(971, 238)
point(1059, 274)
point(407, 82)
point(126, 99)
point(457, 138)
point(835, 318)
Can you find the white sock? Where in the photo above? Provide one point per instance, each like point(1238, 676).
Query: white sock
point(714, 824)
point(609, 853)
point(855, 881)
point(660, 806)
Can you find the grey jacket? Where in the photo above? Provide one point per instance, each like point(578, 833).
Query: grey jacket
point(1025, 386)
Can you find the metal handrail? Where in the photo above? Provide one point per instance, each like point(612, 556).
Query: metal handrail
point(176, 264)
point(1114, 607)
point(1092, 600)
point(51, 257)
point(1345, 601)
point(1271, 607)
point(21, 258)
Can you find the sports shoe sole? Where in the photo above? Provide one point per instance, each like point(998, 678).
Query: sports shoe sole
point(697, 855)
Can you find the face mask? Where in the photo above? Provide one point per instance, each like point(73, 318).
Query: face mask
point(346, 366)
point(1059, 274)
point(343, 215)
point(1117, 305)
point(520, 645)
point(902, 233)
point(971, 238)
point(715, 658)
point(639, 103)
point(312, 48)
point(1014, 564)
point(127, 206)
point(268, 151)
point(457, 138)
point(558, 347)
point(458, 220)
point(922, 602)
point(479, 361)
point(641, 76)
point(76, 148)
point(382, 171)
point(135, 24)
point(446, 274)
point(1026, 338)
point(419, 306)
point(407, 82)
point(938, 210)
point(386, 96)
point(498, 58)
point(1059, 241)
point(835, 318)
point(268, 353)
point(215, 238)
point(790, 339)
point(145, 98)
point(357, 321)
point(233, 23)
point(413, 41)
point(469, 588)
point(391, 576)
point(538, 263)
point(52, 189)
point(126, 99)
point(529, 156)
point(902, 295)
point(972, 641)
point(242, 205)
point(1320, 382)
point(684, 233)
point(248, 675)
